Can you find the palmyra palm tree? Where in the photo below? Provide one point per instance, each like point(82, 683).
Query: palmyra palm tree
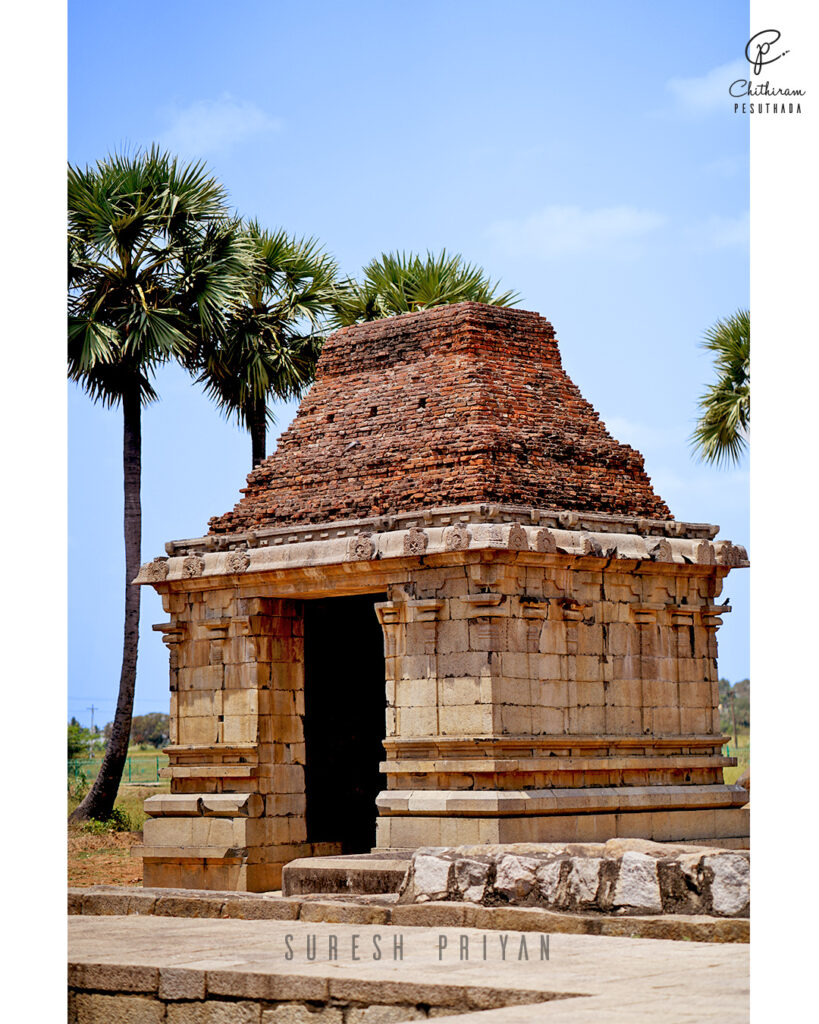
point(269, 343)
point(153, 263)
point(721, 434)
point(404, 283)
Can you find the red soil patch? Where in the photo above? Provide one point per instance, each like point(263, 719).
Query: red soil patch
point(103, 860)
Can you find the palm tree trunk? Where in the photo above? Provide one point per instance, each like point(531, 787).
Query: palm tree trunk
point(100, 799)
point(257, 421)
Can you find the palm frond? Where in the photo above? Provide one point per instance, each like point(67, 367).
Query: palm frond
point(267, 343)
point(403, 282)
point(151, 265)
point(721, 433)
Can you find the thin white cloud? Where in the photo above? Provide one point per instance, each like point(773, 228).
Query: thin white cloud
point(721, 232)
point(215, 126)
point(558, 231)
point(707, 93)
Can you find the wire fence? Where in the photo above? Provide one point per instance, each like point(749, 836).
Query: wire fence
point(137, 769)
point(742, 754)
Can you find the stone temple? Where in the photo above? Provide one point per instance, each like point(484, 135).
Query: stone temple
point(449, 609)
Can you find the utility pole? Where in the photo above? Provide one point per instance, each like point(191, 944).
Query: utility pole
point(92, 709)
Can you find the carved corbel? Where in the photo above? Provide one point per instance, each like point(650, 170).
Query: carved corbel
point(682, 618)
point(681, 614)
point(173, 633)
point(533, 610)
point(711, 615)
point(570, 610)
point(391, 615)
point(482, 605)
point(646, 614)
point(216, 631)
point(426, 611)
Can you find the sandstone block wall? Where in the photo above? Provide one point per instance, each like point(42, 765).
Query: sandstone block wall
point(561, 701)
point(541, 684)
point(236, 810)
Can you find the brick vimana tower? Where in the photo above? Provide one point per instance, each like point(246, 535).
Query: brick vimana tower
point(449, 609)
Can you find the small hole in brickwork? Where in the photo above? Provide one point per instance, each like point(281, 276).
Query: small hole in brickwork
point(374, 410)
point(330, 417)
point(422, 403)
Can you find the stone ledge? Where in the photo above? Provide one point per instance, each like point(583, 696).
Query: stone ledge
point(102, 992)
point(212, 805)
point(444, 516)
point(395, 802)
point(121, 901)
point(369, 874)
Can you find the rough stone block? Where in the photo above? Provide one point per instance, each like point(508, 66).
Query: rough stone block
point(198, 731)
point(466, 690)
point(383, 1014)
point(412, 693)
point(431, 876)
point(465, 720)
point(584, 878)
point(516, 877)
point(96, 1008)
point(637, 885)
point(298, 1013)
point(416, 721)
point(730, 885)
point(180, 983)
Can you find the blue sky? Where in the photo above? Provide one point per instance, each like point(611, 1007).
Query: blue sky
point(583, 153)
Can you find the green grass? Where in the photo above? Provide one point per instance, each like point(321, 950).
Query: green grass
point(730, 775)
point(130, 799)
point(742, 754)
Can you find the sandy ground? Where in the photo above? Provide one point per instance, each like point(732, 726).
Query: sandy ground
point(103, 860)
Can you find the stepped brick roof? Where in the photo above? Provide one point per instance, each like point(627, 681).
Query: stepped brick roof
point(461, 403)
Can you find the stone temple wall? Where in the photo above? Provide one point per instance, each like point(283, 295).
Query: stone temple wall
point(548, 682)
point(521, 693)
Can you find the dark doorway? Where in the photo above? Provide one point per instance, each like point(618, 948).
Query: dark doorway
point(344, 721)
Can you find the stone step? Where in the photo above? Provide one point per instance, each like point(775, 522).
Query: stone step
point(360, 874)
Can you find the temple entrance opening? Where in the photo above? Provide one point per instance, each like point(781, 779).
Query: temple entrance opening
point(345, 719)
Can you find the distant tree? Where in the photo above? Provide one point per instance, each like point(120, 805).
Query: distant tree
point(721, 434)
point(153, 729)
point(153, 263)
point(269, 343)
point(735, 700)
point(407, 282)
point(77, 741)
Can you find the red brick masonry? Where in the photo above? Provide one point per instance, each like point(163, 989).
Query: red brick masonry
point(462, 403)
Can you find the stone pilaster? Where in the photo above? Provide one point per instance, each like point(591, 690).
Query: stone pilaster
point(236, 810)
